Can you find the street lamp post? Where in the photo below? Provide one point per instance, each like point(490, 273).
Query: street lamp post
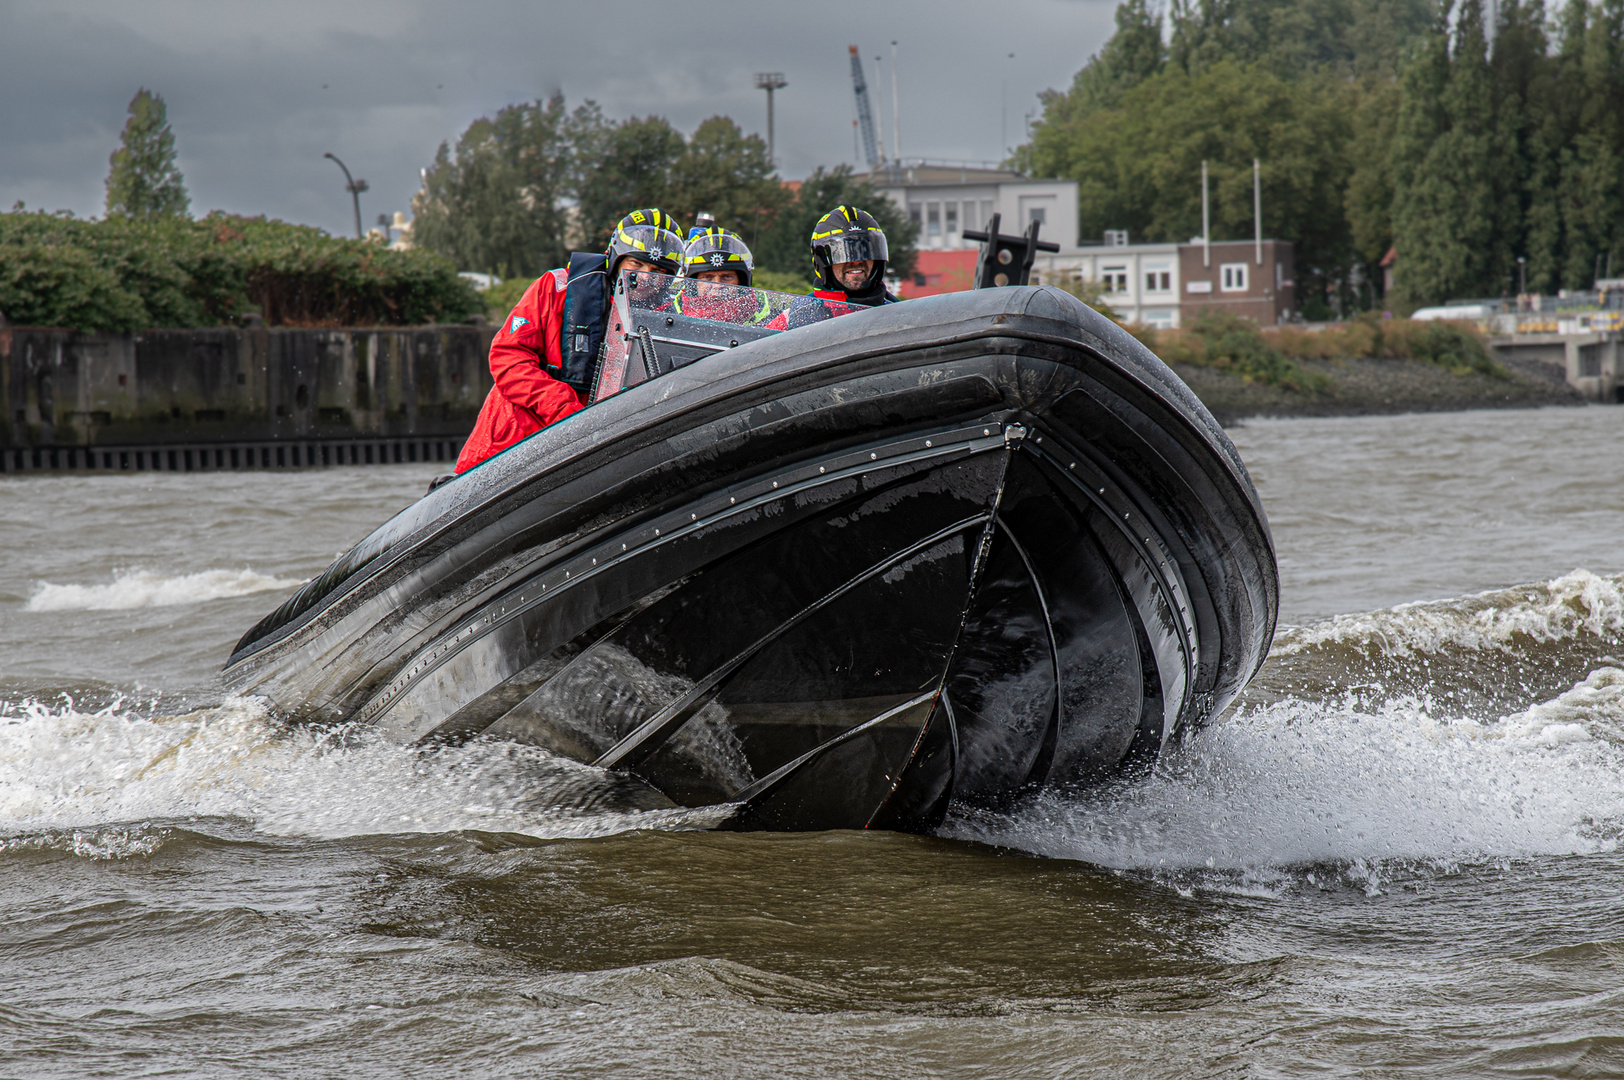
point(354, 187)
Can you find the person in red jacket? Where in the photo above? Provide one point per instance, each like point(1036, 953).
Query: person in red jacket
point(535, 386)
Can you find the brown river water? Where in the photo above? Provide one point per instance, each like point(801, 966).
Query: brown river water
point(1397, 856)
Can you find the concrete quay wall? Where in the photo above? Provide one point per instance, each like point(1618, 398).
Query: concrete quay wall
point(388, 393)
point(1591, 362)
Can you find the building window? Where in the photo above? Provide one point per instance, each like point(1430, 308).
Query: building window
point(1232, 277)
point(971, 221)
point(916, 214)
point(1116, 237)
point(986, 212)
point(1159, 318)
point(951, 210)
point(933, 222)
point(1114, 278)
point(1158, 279)
point(1039, 214)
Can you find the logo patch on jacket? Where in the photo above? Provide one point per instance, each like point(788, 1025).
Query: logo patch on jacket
point(517, 322)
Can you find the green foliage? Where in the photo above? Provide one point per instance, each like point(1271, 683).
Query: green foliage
point(1445, 207)
point(1453, 345)
point(1450, 345)
point(1235, 345)
point(144, 180)
point(1133, 54)
point(126, 274)
point(1292, 37)
point(496, 206)
point(728, 173)
point(499, 299)
point(785, 243)
point(619, 167)
point(1379, 123)
point(1138, 166)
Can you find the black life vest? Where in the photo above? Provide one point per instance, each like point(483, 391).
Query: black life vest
point(586, 311)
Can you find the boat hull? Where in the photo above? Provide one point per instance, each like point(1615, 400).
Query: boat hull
point(969, 547)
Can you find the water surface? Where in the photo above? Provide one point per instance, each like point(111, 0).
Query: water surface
point(1397, 856)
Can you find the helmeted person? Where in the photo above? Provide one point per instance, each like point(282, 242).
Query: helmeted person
point(544, 354)
point(718, 260)
point(849, 256)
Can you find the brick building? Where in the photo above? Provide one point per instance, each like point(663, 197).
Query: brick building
point(1153, 284)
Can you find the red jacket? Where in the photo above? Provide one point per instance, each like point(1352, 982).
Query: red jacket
point(526, 357)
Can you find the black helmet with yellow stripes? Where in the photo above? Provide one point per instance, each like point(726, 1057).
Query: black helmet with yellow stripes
point(717, 249)
point(650, 235)
point(847, 234)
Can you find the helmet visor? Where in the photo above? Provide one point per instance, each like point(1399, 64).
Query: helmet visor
point(716, 253)
point(655, 245)
point(865, 246)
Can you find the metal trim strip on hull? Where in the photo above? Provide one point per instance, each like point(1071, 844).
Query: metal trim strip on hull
point(1162, 563)
point(667, 720)
point(781, 773)
point(760, 492)
point(1052, 735)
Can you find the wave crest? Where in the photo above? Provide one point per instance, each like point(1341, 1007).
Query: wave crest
point(143, 588)
point(1574, 604)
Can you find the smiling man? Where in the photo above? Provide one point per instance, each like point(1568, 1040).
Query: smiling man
point(848, 267)
point(848, 258)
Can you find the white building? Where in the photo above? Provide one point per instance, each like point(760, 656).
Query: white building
point(1149, 284)
point(944, 200)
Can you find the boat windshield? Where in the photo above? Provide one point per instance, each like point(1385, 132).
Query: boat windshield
point(660, 322)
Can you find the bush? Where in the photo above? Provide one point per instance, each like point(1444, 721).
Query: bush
point(122, 275)
point(1456, 346)
point(1453, 345)
point(499, 299)
point(1232, 344)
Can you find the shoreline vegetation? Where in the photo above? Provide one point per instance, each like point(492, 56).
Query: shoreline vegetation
point(1366, 365)
point(1363, 366)
point(1364, 386)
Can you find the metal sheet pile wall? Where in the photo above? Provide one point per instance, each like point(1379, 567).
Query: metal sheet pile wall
point(64, 394)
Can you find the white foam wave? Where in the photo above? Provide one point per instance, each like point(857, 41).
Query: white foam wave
point(1298, 783)
point(143, 588)
point(1576, 603)
point(63, 770)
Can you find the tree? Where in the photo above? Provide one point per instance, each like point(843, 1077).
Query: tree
point(726, 172)
point(619, 168)
point(496, 206)
point(785, 244)
point(1369, 198)
point(1589, 187)
point(1138, 166)
point(1134, 54)
point(144, 180)
point(1450, 235)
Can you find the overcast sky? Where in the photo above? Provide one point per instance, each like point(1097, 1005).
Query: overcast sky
point(257, 92)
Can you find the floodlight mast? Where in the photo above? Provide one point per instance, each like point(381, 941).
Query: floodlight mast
point(865, 114)
point(770, 81)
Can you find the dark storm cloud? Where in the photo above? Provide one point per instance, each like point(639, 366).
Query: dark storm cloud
point(257, 92)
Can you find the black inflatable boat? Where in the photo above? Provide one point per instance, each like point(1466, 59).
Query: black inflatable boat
point(966, 547)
